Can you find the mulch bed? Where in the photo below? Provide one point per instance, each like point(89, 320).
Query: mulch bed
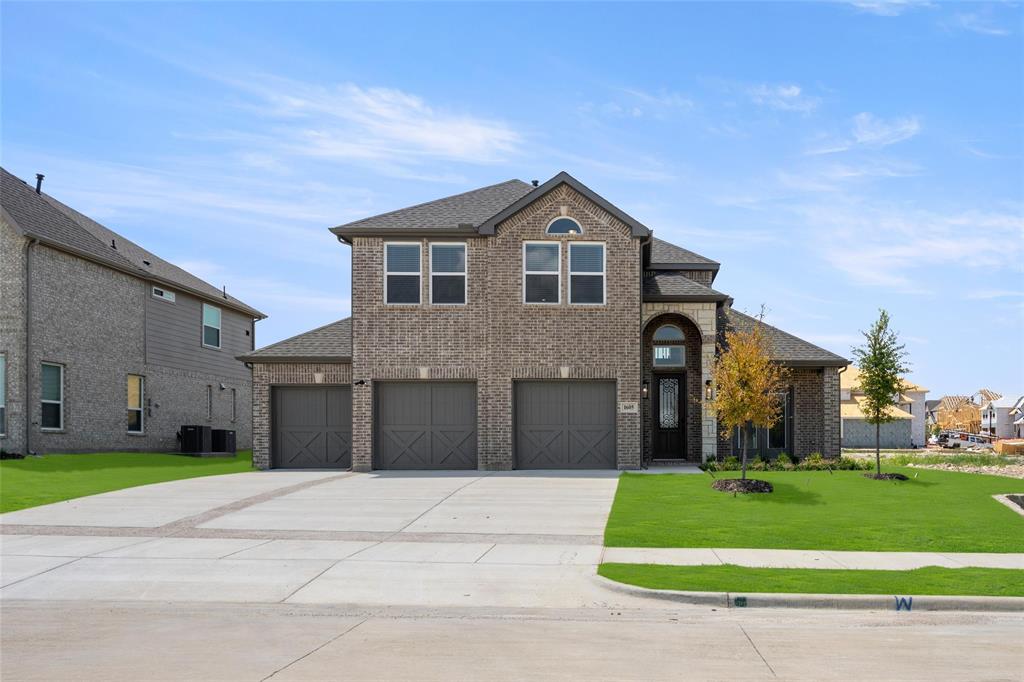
point(741, 485)
point(887, 477)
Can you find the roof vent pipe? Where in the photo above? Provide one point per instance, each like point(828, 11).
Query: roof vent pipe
point(39, 182)
point(225, 291)
point(113, 244)
point(535, 183)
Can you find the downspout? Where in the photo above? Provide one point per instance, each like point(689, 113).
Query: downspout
point(27, 409)
point(839, 378)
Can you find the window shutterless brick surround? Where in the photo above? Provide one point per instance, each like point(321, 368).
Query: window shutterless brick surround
point(267, 375)
point(496, 339)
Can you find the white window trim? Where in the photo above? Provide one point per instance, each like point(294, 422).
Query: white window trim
point(557, 245)
point(419, 274)
point(164, 295)
point(219, 327)
point(141, 409)
point(604, 268)
point(52, 402)
point(562, 234)
point(464, 274)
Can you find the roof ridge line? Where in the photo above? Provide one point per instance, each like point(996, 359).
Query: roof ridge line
point(427, 203)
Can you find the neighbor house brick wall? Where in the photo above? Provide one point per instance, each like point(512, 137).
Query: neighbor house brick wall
point(495, 338)
point(90, 319)
point(267, 375)
point(12, 335)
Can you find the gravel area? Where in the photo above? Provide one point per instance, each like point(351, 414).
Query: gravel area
point(1011, 471)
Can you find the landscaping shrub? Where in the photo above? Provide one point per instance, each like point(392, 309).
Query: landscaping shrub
point(758, 464)
point(815, 462)
point(730, 463)
point(783, 462)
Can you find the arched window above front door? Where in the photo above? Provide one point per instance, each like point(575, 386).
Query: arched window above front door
point(669, 350)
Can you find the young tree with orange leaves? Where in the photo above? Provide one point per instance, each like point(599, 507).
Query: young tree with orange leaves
point(749, 385)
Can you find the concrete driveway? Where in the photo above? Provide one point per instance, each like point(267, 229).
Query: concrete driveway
point(515, 539)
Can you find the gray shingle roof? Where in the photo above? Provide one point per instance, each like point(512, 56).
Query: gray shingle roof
point(785, 347)
point(673, 285)
point(329, 343)
point(60, 226)
point(459, 212)
point(664, 253)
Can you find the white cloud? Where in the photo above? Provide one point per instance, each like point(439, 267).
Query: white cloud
point(888, 8)
point(875, 132)
point(990, 294)
point(979, 23)
point(910, 250)
point(783, 97)
point(868, 131)
point(377, 124)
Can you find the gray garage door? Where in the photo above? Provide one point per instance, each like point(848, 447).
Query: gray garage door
point(312, 427)
point(426, 425)
point(565, 425)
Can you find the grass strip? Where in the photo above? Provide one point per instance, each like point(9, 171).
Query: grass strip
point(931, 580)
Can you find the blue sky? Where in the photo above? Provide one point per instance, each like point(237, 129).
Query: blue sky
point(834, 157)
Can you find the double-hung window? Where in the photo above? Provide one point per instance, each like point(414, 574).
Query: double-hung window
point(136, 396)
point(52, 396)
point(3, 395)
point(211, 326)
point(586, 273)
point(777, 433)
point(542, 272)
point(447, 274)
point(402, 273)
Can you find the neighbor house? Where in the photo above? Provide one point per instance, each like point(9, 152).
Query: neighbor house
point(104, 345)
point(1017, 414)
point(909, 412)
point(996, 417)
point(522, 326)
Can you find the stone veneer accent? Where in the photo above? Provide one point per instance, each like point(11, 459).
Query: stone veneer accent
point(702, 423)
point(266, 375)
point(495, 338)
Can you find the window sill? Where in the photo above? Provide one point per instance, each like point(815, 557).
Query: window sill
point(136, 433)
point(213, 347)
point(45, 430)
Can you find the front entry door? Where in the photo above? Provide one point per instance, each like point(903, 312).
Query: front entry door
point(669, 416)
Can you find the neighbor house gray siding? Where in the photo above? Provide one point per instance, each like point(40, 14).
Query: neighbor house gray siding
point(174, 336)
point(857, 433)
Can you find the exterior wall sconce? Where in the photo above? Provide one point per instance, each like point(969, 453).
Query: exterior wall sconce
point(708, 395)
point(644, 391)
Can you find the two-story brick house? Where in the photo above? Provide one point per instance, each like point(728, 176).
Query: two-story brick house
point(520, 326)
point(104, 345)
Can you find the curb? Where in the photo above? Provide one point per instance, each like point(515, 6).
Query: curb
point(840, 602)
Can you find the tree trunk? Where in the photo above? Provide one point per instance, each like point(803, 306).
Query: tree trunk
point(743, 435)
point(878, 455)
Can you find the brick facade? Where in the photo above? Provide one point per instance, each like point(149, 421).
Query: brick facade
point(267, 375)
point(495, 338)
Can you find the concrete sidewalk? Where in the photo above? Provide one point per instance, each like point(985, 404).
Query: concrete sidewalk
point(800, 558)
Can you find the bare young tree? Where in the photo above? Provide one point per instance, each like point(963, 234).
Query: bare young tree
point(881, 364)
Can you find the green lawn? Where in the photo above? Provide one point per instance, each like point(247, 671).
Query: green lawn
point(935, 511)
point(41, 480)
point(933, 580)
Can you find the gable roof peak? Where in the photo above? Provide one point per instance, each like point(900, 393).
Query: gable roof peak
point(489, 226)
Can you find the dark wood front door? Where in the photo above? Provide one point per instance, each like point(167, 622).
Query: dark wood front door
point(669, 416)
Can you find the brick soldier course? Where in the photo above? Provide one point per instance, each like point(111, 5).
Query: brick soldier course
point(496, 339)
